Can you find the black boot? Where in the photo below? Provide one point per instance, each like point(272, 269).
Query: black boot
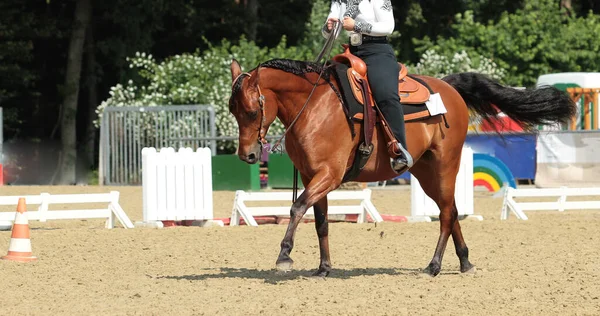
point(402, 162)
point(395, 118)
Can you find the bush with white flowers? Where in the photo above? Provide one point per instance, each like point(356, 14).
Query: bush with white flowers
point(437, 65)
point(195, 79)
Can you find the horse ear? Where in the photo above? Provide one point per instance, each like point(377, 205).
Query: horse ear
point(255, 77)
point(236, 70)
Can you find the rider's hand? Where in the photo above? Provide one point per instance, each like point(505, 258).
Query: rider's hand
point(348, 24)
point(331, 22)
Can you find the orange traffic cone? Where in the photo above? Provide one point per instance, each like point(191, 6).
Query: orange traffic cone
point(20, 245)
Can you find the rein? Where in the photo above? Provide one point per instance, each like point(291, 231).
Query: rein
point(261, 102)
point(326, 48)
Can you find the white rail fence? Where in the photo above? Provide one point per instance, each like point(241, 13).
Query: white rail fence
point(112, 212)
point(560, 204)
point(241, 210)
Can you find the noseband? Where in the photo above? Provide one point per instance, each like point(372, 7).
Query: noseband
point(261, 103)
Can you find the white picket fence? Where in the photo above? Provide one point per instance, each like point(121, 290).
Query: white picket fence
point(176, 185)
point(240, 209)
point(44, 200)
point(423, 208)
point(560, 205)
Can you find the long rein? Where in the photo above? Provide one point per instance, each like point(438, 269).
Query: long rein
point(261, 102)
point(326, 48)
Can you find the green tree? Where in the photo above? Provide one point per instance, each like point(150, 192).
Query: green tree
point(532, 41)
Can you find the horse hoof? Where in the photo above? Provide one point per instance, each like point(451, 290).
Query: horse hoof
point(471, 270)
point(284, 266)
point(431, 271)
point(320, 274)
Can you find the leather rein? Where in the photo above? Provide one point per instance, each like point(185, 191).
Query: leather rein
point(325, 51)
point(261, 102)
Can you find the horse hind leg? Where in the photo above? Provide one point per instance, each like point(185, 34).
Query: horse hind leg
point(322, 228)
point(438, 178)
point(462, 251)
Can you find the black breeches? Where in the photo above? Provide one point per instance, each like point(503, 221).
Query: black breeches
point(382, 72)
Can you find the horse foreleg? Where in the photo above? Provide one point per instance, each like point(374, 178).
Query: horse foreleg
point(316, 190)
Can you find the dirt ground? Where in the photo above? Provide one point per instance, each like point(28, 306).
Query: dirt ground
point(548, 265)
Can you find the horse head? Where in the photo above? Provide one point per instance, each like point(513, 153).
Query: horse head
point(248, 105)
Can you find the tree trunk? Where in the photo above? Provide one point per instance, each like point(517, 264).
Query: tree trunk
point(68, 129)
point(89, 141)
point(252, 9)
point(568, 6)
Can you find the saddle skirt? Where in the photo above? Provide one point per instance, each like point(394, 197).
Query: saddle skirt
point(413, 94)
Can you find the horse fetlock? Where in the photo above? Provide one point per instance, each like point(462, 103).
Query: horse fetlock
point(286, 246)
point(463, 254)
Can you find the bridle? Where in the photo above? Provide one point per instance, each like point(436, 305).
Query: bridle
point(261, 98)
point(261, 102)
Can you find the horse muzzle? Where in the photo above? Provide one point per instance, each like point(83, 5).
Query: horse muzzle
point(250, 158)
point(250, 154)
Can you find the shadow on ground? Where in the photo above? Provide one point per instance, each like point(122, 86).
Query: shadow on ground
point(273, 276)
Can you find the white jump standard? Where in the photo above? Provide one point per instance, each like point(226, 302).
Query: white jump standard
point(177, 186)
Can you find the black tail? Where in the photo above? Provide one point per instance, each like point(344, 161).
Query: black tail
point(543, 106)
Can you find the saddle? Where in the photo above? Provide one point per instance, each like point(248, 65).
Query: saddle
point(413, 95)
point(410, 90)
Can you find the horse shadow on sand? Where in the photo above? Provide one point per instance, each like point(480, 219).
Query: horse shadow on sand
point(274, 277)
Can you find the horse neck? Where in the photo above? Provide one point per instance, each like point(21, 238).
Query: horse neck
point(292, 92)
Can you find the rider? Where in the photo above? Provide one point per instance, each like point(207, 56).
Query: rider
point(368, 22)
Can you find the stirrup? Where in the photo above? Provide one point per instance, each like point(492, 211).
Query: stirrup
point(403, 161)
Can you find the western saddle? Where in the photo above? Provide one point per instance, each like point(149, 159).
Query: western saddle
point(410, 91)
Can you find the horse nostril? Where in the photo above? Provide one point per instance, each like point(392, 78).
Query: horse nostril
point(252, 157)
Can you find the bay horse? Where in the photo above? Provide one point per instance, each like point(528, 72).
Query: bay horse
point(321, 144)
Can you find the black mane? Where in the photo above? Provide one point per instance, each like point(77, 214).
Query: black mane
point(297, 67)
point(301, 68)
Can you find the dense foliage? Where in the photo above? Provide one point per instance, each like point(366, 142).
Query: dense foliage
point(537, 39)
point(184, 49)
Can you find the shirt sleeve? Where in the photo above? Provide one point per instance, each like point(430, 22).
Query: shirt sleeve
point(384, 20)
point(334, 12)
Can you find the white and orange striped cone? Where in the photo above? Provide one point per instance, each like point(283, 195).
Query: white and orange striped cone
point(20, 244)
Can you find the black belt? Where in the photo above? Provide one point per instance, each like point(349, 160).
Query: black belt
point(374, 39)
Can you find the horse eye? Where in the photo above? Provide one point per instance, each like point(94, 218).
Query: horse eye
point(253, 115)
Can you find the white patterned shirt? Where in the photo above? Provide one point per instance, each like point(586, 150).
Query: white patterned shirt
point(372, 17)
